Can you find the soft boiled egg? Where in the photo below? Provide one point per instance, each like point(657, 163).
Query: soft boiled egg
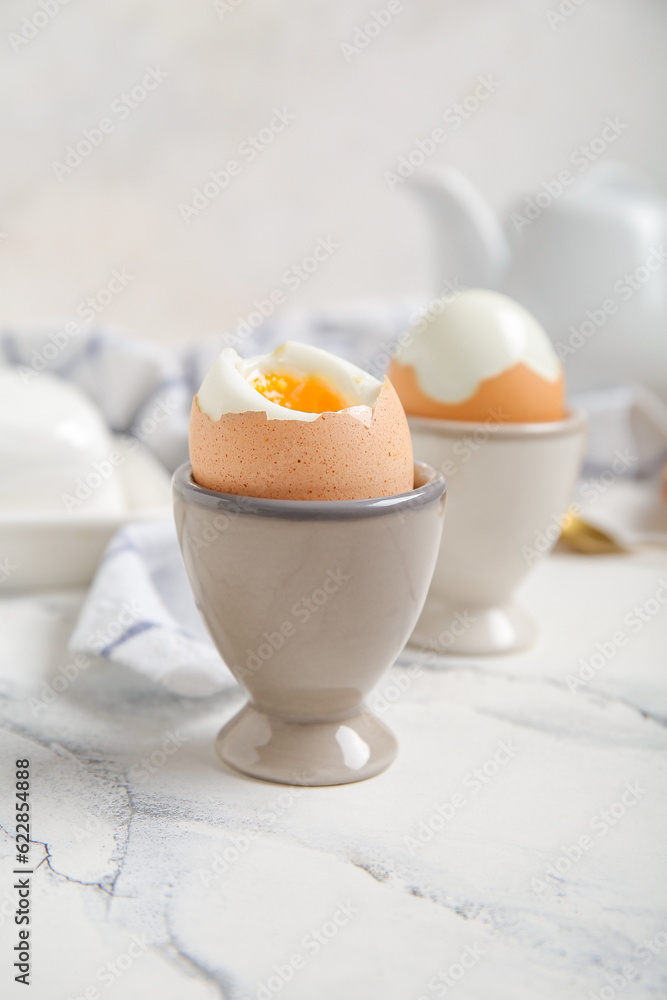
point(482, 356)
point(298, 424)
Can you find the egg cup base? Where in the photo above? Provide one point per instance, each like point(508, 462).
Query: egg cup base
point(306, 753)
point(449, 631)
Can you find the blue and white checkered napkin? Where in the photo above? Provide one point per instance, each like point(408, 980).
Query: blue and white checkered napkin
point(140, 612)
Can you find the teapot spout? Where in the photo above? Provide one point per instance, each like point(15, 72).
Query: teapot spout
point(471, 247)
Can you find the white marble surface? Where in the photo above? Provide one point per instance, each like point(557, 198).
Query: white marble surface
point(125, 852)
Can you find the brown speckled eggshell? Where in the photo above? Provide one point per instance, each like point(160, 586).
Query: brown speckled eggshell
point(517, 395)
point(334, 457)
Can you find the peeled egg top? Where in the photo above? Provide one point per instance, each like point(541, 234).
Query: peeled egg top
point(288, 384)
point(481, 356)
point(298, 424)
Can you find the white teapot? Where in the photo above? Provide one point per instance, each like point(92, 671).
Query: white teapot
point(587, 257)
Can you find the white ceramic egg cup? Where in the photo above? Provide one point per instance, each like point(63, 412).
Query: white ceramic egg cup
point(507, 486)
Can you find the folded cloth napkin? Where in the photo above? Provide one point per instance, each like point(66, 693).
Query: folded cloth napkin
point(627, 422)
point(140, 612)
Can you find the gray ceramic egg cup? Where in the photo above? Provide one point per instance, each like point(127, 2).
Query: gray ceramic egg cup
point(309, 603)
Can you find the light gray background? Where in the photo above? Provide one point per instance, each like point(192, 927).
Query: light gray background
point(323, 175)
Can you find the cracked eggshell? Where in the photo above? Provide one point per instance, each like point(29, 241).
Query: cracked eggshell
point(517, 395)
point(351, 454)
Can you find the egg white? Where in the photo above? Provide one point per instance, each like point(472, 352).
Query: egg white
point(476, 337)
point(226, 387)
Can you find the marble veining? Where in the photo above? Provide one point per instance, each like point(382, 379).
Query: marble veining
point(459, 872)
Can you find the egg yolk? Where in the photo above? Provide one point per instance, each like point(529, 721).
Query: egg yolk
point(307, 393)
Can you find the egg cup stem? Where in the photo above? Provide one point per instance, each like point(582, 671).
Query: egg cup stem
point(455, 630)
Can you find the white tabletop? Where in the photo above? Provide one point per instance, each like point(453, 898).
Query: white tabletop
point(542, 875)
